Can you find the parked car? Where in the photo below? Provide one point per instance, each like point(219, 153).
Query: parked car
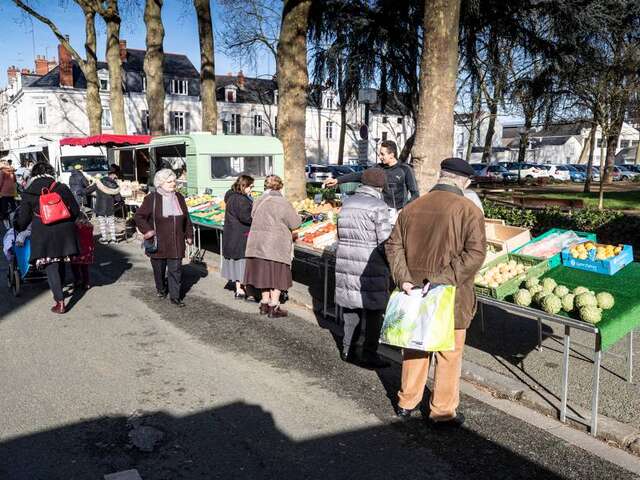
point(595, 171)
point(480, 176)
point(493, 173)
point(626, 172)
point(317, 173)
point(528, 171)
point(576, 174)
point(556, 172)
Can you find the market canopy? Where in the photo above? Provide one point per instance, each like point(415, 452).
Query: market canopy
point(106, 140)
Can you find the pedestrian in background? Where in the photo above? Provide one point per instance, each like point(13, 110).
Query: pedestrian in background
point(52, 245)
point(270, 246)
point(163, 218)
point(362, 274)
point(237, 223)
point(107, 193)
point(78, 183)
point(440, 239)
point(8, 191)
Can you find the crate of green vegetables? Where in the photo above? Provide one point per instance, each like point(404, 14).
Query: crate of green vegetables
point(504, 275)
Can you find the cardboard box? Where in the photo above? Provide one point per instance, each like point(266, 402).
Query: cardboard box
point(509, 237)
point(610, 266)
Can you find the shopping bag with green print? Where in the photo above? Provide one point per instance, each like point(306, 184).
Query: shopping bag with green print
point(422, 320)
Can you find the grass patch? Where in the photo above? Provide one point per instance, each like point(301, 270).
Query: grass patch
point(629, 200)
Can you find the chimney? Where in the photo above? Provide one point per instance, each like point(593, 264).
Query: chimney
point(123, 51)
point(41, 65)
point(51, 64)
point(241, 80)
point(12, 73)
point(25, 71)
point(66, 67)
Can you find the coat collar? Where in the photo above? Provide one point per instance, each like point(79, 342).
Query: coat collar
point(368, 190)
point(443, 187)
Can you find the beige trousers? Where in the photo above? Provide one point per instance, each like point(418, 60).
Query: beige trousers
point(445, 396)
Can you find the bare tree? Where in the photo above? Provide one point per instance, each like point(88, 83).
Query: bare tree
point(207, 67)
point(293, 83)
point(154, 65)
point(438, 72)
point(88, 66)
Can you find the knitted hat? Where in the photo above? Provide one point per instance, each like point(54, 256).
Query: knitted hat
point(374, 177)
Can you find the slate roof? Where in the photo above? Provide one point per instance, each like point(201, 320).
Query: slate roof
point(256, 90)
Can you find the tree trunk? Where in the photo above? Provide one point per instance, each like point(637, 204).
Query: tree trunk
point(636, 160)
point(343, 133)
point(474, 119)
point(592, 150)
point(612, 145)
point(491, 129)
point(406, 149)
point(153, 65)
point(293, 82)
point(524, 140)
point(438, 73)
point(116, 102)
point(207, 68)
point(602, 163)
point(90, 71)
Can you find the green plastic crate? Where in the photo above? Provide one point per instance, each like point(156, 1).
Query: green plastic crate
point(538, 267)
point(556, 260)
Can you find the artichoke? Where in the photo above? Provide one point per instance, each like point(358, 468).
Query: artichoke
point(586, 300)
point(560, 291)
point(549, 284)
point(605, 300)
point(591, 314)
point(567, 302)
point(551, 304)
point(522, 297)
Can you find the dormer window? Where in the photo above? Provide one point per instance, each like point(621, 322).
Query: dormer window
point(329, 103)
point(230, 93)
point(103, 80)
point(179, 87)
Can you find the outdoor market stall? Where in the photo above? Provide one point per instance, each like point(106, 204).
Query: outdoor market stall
point(576, 283)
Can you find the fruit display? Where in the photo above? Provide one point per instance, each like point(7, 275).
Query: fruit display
point(309, 206)
point(318, 235)
point(594, 251)
point(195, 200)
point(501, 273)
point(551, 244)
point(206, 209)
point(552, 298)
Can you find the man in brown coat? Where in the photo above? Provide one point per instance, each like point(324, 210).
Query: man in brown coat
point(439, 238)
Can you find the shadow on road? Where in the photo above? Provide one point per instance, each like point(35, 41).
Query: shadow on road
point(242, 441)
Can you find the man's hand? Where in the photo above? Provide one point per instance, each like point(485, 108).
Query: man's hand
point(332, 182)
point(407, 287)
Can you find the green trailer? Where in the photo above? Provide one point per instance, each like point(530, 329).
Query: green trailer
point(212, 162)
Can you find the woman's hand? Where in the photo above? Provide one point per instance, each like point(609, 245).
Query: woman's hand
point(149, 234)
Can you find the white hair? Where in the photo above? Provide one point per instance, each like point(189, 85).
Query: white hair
point(450, 178)
point(163, 176)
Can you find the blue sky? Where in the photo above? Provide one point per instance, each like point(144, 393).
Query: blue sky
point(18, 38)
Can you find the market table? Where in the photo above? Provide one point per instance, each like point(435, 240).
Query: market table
point(616, 323)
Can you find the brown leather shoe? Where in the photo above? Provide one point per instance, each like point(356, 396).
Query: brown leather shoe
point(58, 307)
point(277, 312)
point(265, 308)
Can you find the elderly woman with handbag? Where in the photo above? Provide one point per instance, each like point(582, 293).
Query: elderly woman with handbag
point(163, 219)
point(269, 246)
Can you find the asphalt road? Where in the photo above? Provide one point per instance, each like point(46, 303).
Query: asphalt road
point(234, 395)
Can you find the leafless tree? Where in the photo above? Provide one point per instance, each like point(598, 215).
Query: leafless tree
point(154, 65)
point(207, 66)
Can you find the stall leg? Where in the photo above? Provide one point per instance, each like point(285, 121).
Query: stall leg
point(220, 246)
point(482, 317)
point(539, 334)
point(630, 358)
point(325, 287)
point(565, 374)
point(595, 394)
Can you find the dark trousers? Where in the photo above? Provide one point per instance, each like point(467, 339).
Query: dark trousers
point(168, 271)
point(353, 319)
point(55, 276)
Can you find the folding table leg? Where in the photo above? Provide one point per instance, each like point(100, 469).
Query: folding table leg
point(220, 245)
point(630, 358)
point(326, 287)
point(595, 394)
point(539, 334)
point(565, 373)
point(481, 317)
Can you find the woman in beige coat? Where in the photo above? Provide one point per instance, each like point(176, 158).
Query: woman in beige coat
point(269, 246)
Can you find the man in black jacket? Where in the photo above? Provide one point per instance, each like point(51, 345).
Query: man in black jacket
point(400, 187)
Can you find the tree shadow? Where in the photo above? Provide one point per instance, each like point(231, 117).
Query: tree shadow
point(241, 440)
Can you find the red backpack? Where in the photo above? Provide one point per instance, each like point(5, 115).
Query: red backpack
point(52, 208)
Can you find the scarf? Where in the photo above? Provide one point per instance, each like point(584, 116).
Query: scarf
point(170, 204)
point(31, 180)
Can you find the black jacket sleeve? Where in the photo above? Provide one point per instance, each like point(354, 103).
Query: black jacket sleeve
point(410, 182)
point(24, 215)
point(90, 189)
point(350, 177)
point(244, 208)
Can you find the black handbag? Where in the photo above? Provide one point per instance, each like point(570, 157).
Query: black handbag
point(150, 245)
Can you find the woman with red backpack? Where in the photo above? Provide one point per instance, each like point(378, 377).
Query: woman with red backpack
point(51, 209)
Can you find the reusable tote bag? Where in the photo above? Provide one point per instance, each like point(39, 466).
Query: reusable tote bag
point(421, 321)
